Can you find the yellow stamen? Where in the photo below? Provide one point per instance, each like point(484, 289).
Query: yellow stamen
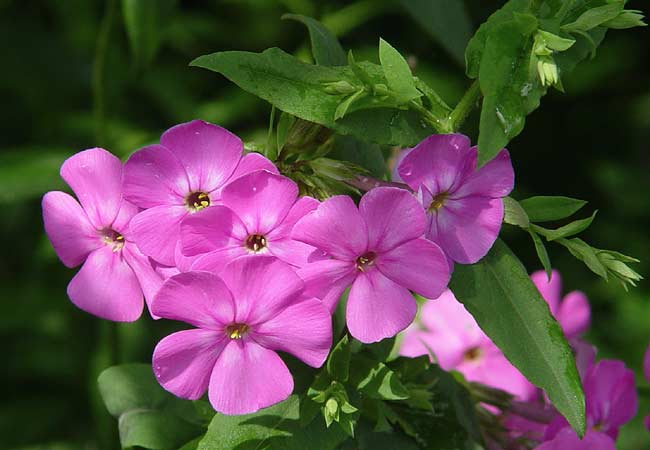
point(437, 202)
point(237, 330)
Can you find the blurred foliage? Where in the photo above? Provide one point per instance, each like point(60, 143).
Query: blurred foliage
point(589, 143)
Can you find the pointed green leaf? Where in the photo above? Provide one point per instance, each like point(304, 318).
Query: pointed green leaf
point(570, 229)
point(514, 214)
point(546, 208)
point(325, 48)
point(397, 73)
point(338, 363)
point(542, 254)
point(595, 16)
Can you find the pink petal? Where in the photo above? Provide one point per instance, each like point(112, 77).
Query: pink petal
point(327, 279)
point(378, 308)
point(198, 298)
point(646, 422)
point(95, 176)
point(440, 162)
point(418, 265)
point(106, 287)
point(335, 227)
point(183, 361)
point(467, 228)
point(303, 329)
point(646, 364)
point(574, 314)
point(248, 377)
point(261, 286)
point(150, 281)
point(551, 290)
point(585, 355)
point(212, 229)
point(567, 439)
point(68, 228)
point(208, 153)
point(153, 176)
point(495, 179)
point(397, 162)
point(496, 371)
point(302, 207)
point(217, 260)
point(121, 223)
point(393, 216)
point(252, 162)
point(261, 200)
point(290, 251)
point(157, 230)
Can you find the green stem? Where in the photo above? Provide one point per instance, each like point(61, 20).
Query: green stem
point(464, 107)
point(437, 123)
point(98, 72)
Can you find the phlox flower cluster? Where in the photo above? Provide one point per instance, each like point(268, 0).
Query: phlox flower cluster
point(209, 235)
point(449, 334)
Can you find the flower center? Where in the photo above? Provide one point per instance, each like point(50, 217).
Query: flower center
point(437, 202)
point(366, 260)
point(237, 330)
point(255, 243)
point(113, 239)
point(473, 354)
point(196, 201)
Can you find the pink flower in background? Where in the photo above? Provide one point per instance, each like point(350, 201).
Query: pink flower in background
point(258, 213)
point(378, 249)
point(646, 374)
point(180, 176)
point(457, 343)
point(464, 205)
point(572, 312)
point(611, 400)
point(94, 231)
point(567, 439)
point(256, 308)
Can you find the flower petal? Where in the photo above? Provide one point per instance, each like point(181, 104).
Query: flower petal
point(154, 176)
point(567, 439)
point(327, 279)
point(378, 308)
point(252, 162)
point(248, 377)
point(68, 228)
point(142, 266)
point(106, 287)
point(157, 230)
point(393, 216)
point(551, 290)
point(291, 251)
point(335, 227)
point(208, 153)
point(495, 179)
point(198, 298)
point(261, 200)
point(303, 206)
point(418, 265)
point(212, 229)
point(183, 361)
point(217, 260)
point(303, 329)
point(440, 162)
point(467, 228)
point(261, 286)
point(95, 176)
point(574, 314)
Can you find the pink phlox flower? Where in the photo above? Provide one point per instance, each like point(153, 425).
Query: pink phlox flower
point(567, 439)
point(242, 318)
point(95, 231)
point(572, 312)
point(182, 175)
point(464, 204)
point(379, 251)
point(611, 399)
point(450, 332)
point(256, 217)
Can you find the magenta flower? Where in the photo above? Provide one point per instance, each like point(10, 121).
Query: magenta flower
point(566, 439)
point(258, 213)
point(94, 231)
point(379, 250)
point(448, 331)
point(464, 205)
point(611, 399)
point(180, 176)
point(255, 309)
point(572, 312)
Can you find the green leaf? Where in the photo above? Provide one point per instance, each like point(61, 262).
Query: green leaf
point(570, 229)
point(546, 208)
point(144, 19)
point(595, 16)
point(363, 154)
point(498, 292)
point(509, 89)
point(376, 380)
point(300, 89)
point(514, 214)
point(338, 363)
point(282, 130)
point(397, 73)
point(629, 18)
point(446, 21)
point(148, 416)
point(325, 48)
point(585, 253)
point(542, 254)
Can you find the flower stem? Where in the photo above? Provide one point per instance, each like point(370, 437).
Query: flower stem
point(464, 107)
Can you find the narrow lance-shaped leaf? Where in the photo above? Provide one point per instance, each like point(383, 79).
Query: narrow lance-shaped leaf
point(397, 73)
point(498, 292)
point(570, 229)
point(325, 48)
point(595, 16)
point(547, 208)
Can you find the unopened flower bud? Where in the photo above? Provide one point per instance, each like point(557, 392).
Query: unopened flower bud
point(339, 87)
point(547, 70)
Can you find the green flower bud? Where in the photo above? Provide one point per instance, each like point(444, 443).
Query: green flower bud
point(339, 87)
point(628, 18)
point(547, 70)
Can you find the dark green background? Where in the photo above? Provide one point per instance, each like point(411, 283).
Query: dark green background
point(590, 143)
